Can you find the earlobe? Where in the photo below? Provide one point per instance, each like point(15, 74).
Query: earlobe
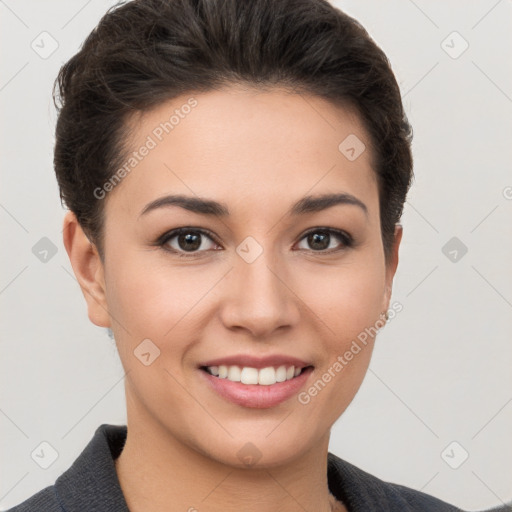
point(88, 269)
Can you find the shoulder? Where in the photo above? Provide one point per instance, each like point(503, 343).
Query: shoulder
point(44, 500)
point(90, 483)
point(362, 491)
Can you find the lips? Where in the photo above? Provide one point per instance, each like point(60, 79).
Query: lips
point(256, 382)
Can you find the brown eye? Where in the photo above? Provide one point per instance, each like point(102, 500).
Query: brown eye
point(320, 239)
point(187, 240)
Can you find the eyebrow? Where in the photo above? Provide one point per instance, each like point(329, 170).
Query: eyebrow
point(203, 206)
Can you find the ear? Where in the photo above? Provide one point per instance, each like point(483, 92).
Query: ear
point(88, 269)
point(391, 265)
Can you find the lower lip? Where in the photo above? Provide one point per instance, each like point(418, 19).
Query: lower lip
point(256, 395)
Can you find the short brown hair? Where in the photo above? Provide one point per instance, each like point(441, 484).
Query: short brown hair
point(145, 52)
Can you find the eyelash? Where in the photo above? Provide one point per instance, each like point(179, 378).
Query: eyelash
point(345, 238)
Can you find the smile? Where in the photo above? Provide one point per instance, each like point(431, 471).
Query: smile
point(257, 383)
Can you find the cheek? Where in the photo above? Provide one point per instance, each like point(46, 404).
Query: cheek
point(347, 301)
point(349, 305)
point(151, 297)
point(347, 298)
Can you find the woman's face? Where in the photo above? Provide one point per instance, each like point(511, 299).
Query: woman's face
point(256, 282)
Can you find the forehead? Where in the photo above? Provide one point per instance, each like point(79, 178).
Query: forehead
point(245, 147)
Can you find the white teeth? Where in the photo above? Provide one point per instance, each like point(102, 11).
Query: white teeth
point(247, 375)
point(234, 374)
point(267, 376)
point(281, 374)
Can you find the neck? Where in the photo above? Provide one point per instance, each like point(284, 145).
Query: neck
point(158, 473)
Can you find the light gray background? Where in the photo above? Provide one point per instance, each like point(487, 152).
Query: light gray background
point(441, 369)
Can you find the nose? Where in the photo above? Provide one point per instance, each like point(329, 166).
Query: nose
point(259, 298)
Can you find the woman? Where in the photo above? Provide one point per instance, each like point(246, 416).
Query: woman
point(235, 173)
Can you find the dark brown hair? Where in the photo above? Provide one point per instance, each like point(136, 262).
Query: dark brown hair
point(145, 52)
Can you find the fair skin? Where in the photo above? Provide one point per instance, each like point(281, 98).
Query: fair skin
point(257, 153)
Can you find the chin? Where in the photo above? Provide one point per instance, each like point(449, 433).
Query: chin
point(259, 449)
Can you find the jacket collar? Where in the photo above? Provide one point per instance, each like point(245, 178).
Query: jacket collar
point(91, 482)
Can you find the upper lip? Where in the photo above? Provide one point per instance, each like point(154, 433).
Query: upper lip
point(257, 362)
